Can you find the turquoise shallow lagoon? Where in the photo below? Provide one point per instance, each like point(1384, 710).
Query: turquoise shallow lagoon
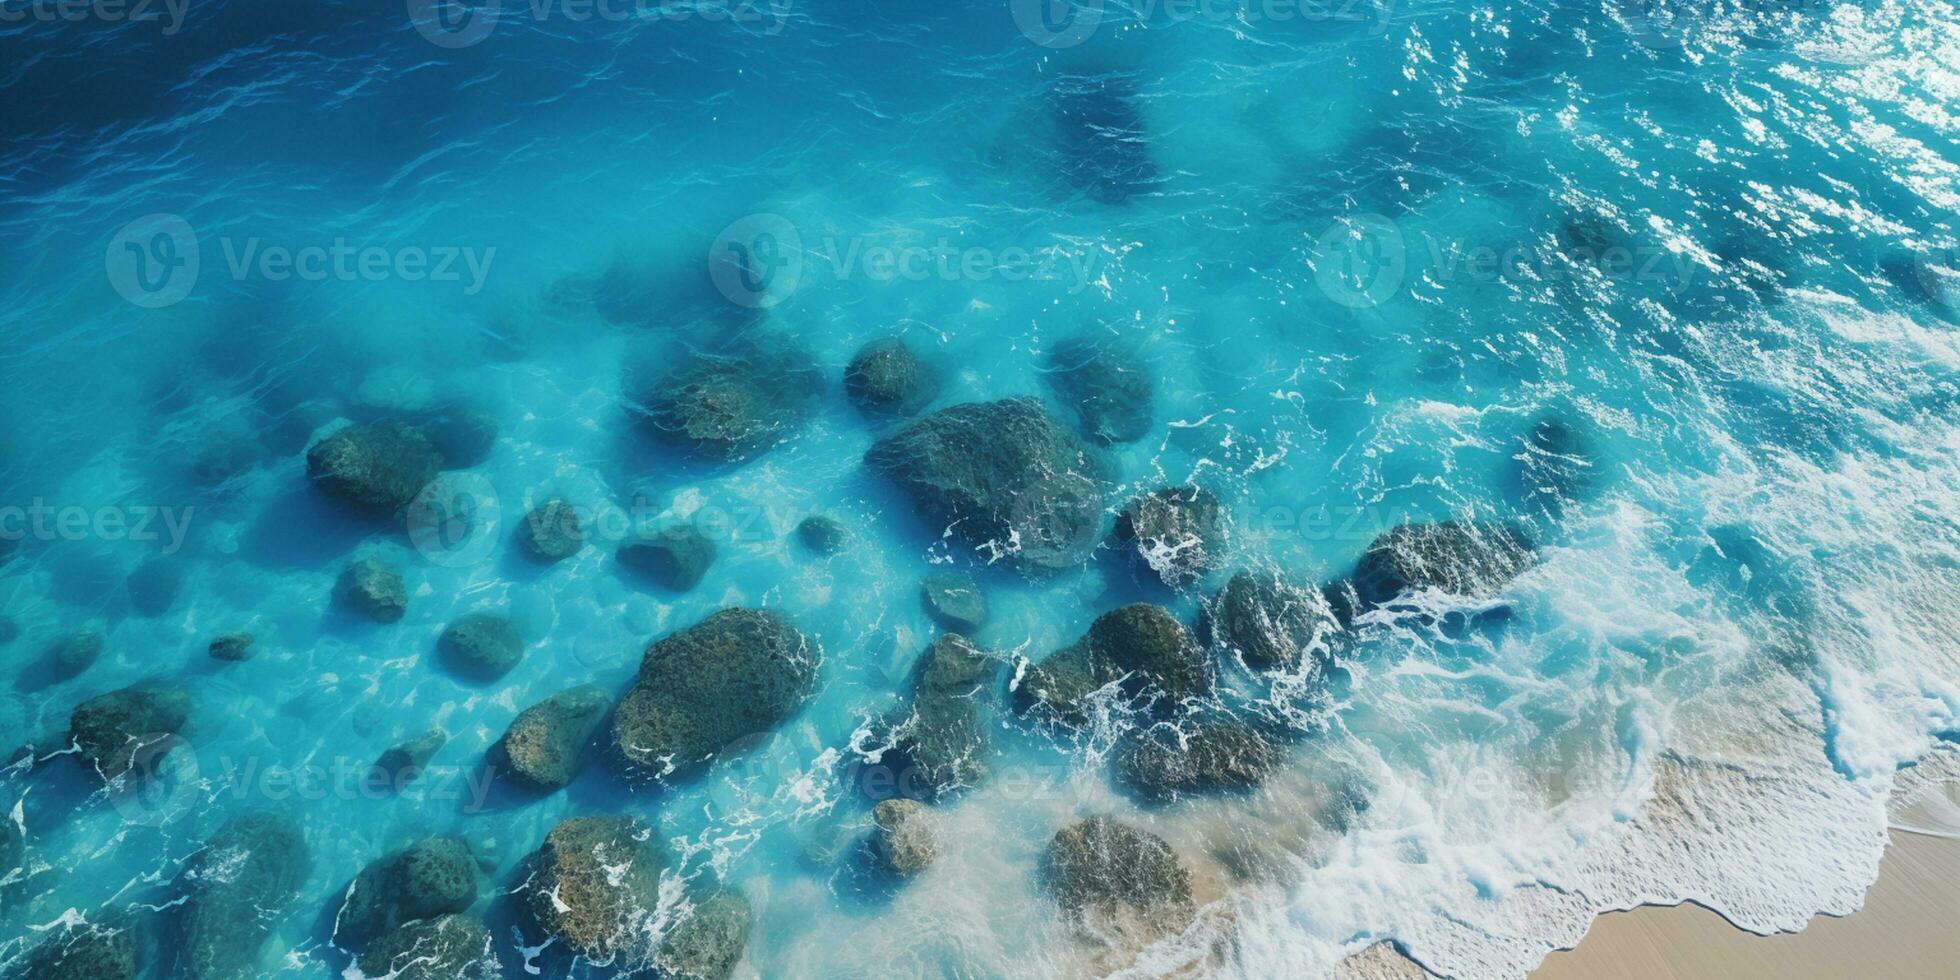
point(1580, 380)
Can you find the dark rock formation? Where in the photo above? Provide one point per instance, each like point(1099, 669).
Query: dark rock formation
point(955, 601)
point(83, 952)
point(1104, 873)
point(1163, 763)
point(481, 647)
point(378, 467)
point(1472, 559)
point(731, 408)
point(1180, 532)
point(114, 732)
point(232, 647)
point(552, 531)
point(429, 878)
point(403, 763)
point(153, 587)
point(371, 589)
point(709, 943)
point(886, 378)
point(77, 654)
point(675, 559)
point(822, 535)
point(448, 947)
point(1107, 383)
point(906, 835)
point(237, 891)
point(594, 885)
point(542, 748)
point(1142, 644)
point(1270, 622)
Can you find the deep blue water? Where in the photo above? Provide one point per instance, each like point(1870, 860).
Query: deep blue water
point(1670, 287)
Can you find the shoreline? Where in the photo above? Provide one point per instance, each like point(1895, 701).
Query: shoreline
point(1904, 930)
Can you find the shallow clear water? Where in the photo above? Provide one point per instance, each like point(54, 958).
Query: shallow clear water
point(1674, 289)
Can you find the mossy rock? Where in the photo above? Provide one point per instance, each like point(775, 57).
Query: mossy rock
point(594, 885)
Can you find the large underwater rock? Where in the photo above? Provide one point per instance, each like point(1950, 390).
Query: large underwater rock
point(77, 653)
point(1162, 765)
point(955, 601)
point(594, 885)
point(1270, 622)
point(1141, 644)
point(731, 408)
point(113, 731)
point(676, 558)
point(1004, 476)
point(153, 587)
point(738, 673)
point(1179, 532)
point(542, 748)
point(943, 742)
point(433, 877)
point(709, 943)
point(887, 378)
point(86, 952)
point(1099, 140)
point(447, 947)
point(1107, 874)
point(1472, 559)
point(377, 467)
point(238, 890)
point(906, 835)
point(481, 647)
point(822, 535)
point(373, 590)
point(552, 531)
point(1107, 383)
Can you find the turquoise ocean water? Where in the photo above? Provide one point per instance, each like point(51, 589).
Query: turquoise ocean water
point(1669, 286)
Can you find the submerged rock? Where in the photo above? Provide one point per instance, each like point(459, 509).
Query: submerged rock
point(955, 601)
point(594, 885)
point(77, 654)
point(675, 559)
point(378, 467)
point(1212, 756)
point(232, 647)
point(83, 952)
point(1142, 645)
point(1473, 559)
point(738, 673)
point(462, 436)
point(887, 378)
point(481, 646)
point(402, 764)
point(372, 589)
point(1107, 383)
point(430, 878)
point(943, 743)
point(153, 587)
point(709, 943)
point(541, 750)
point(1270, 622)
point(1100, 140)
point(238, 889)
point(448, 947)
point(731, 408)
point(907, 835)
point(1180, 532)
point(552, 531)
point(1003, 476)
point(113, 732)
point(822, 535)
point(1106, 874)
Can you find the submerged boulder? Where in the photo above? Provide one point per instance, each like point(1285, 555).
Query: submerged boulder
point(448, 947)
point(1100, 142)
point(402, 764)
point(113, 732)
point(731, 408)
point(676, 558)
point(738, 673)
point(541, 750)
point(594, 885)
point(1142, 645)
point(1107, 383)
point(372, 589)
point(76, 654)
point(83, 952)
point(906, 835)
point(709, 943)
point(955, 601)
point(1270, 622)
point(429, 878)
point(1180, 532)
point(1472, 559)
point(153, 587)
point(887, 378)
point(552, 531)
point(481, 646)
point(232, 647)
point(822, 535)
point(944, 744)
point(462, 436)
point(377, 467)
point(1106, 874)
point(237, 891)
point(1212, 756)
point(1003, 476)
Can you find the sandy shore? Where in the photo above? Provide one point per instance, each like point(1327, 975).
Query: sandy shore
point(1905, 931)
